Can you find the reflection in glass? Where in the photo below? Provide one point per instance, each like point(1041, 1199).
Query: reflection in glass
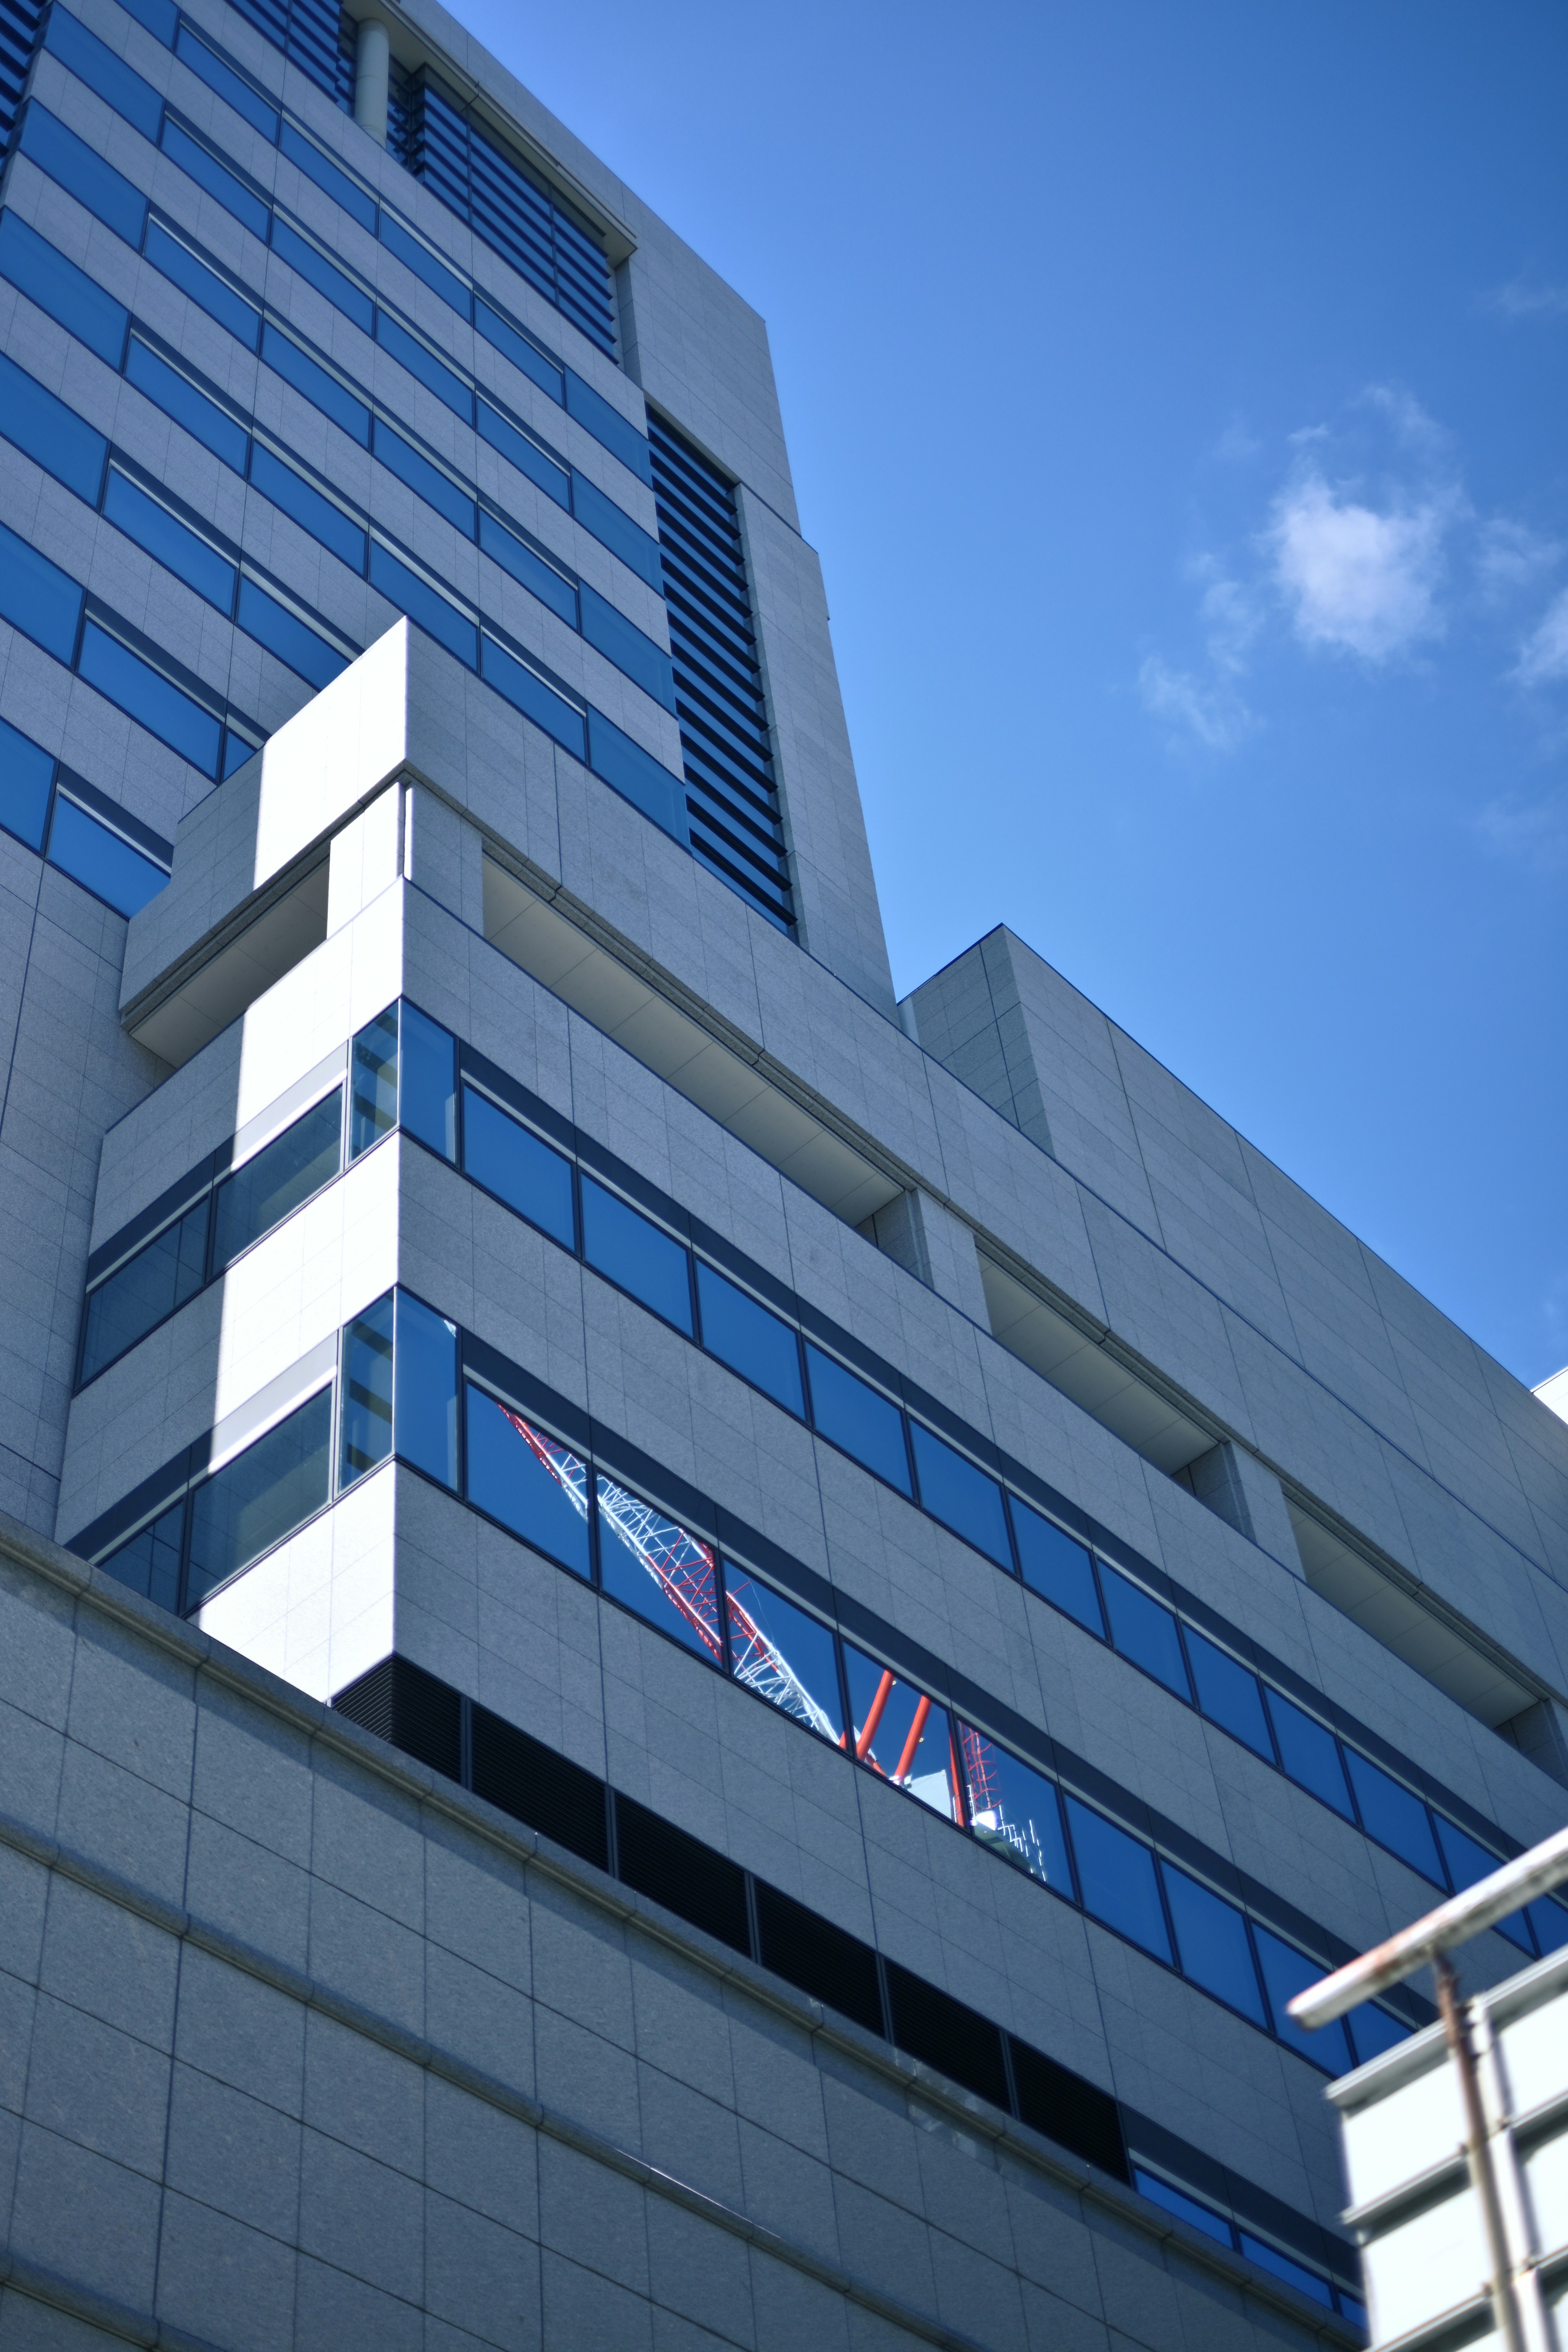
point(150, 1562)
point(364, 1436)
point(511, 1162)
point(285, 1173)
point(527, 1481)
point(782, 1655)
point(658, 1569)
point(261, 1496)
point(374, 1081)
point(426, 1081)
point(902, 1734)
point(426, 1391)
point(1013, 1810)
point(1117, 1876)
point(145, 1289)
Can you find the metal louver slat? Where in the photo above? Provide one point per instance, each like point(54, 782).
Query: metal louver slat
point(20, 24)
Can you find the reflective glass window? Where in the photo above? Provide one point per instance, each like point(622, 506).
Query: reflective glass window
point(26, 779)
point(170, 541)
point(101, 860)
point(374, 1082)
point(623, 642)
point(637, 1254)
point(614, 529)
point(321, 389)
point(261, 1496)
point(52, 435)
point(608, 426)
point(1143, 1629)
point(508, 1159)
point(528, 458)
point(424, 264)
point(68, 295)
point(82, 172)
point(1185, 2208)
point(423, 604)
point(1395, 1817)
point(1211, 1944)
point(154, 700)
point(364, 1415)
point(283, 1174)
point(219, 181)
point(150, 1562)
point(540, 579)
point(210, 292)
point(310, 263)
point(520, 351)
point(297, 646)
point(428, 481)
point(858, 1418)
point(1056, 1566)
point(93, 62)
point(1296, 2274)
point(1116, 1877)
point(1373, 2031)
point(1013, 1810)
point(319, 516)
point(218, 76)
point(202, 418)
point(527, 692)
point(1287, 1972)
point(428, 1081)
point(36, 597)
point(1468, 1861)
point(147, 1288)
point(327, 177)
point(1309, 1753)
point(423, 363)
point(657, 1568)
point(902, 1734)
point(426, 1390)
point(750, 1339)
point(1228, 1693)
point(783, 1654)
point(527, 1481)
point(637, 776)
point(955, 1491)
point(1549, 1922)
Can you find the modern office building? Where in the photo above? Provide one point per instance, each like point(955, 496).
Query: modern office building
point(689, 1658)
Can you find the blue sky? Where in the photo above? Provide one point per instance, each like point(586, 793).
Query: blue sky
point(1176, 397)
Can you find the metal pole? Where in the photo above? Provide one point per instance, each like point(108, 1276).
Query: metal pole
point(1478, 2150)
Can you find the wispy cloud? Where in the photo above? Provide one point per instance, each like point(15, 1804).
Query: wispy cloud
point(1535, 833)
point(1209, 705)
point(1518, 300)
point(1544, 657)
point(1510, 558)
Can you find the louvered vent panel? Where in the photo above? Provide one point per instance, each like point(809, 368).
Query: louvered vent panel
point(21, 21)
point(312, 35)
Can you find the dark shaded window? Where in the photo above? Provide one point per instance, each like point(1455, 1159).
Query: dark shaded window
point(820, 1958)
point(785, 1656)
point(955, 1491)
point(753, 1341)
point(373, 1080)
point(398, 1701)
point(261, 1496)
point(503, 1156)
point(428, 1081)
point(1287, 1972)
point(1013, 1810)
point(858, 1418)
point(1309, 1753)
point(1394, 1817)
point(688, 1877)
point(283, 1173)
point(1211, 1944)
point(667, 1575)
point(1116, 1874)
point(1056, 1567)
point(1468, 1861)
point(1078, 2114)
point(1229, 1695)
point(26, 779)
point(1143, 1629)
point(637, 1254)
point(902, 1734)
point(364, 1420)
point(1373, 2031)
point(149, 1285)
point(426, 1390)
point(931, 2026)
point(530, 1482)
point(150, 1562)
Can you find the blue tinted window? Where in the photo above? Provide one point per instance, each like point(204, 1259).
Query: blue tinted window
point(616, 529)
point(1373, 2031)
point(374, 1083)
point(423, 604)
point(213, 294)
point(1228, 1693)
point(296, 644)
point(323, 391)
point(428, 1081)
point(1055, 1564)
point(309, 508)
point(659, 1570)
point(646, 664)
point(1116, 1874)
point(540, 579)
point(26, 774)
point(151, 698)
point(179, 549)
point(248, 209)
point(749, 1338)
point(422, 363)
point(637, 776)
point(1394, 1817)
point(525, 455)
point(786, 1656)
point(962, 1496)
point(236, 750)
point(83, 173)
point(635, 1254)
point(424, 264)
point(1185, 2208)
point(229, 85)
point(502, 1156)
point(426, 1390)
point(608, 425)
point(53, 435)
point(160, 17)
point(1013, 1810)
point(1549, 1922)
point(527, 1481)
point(1296, 2274)
point(102, 70)
point(1211, 1944)
point(282, 1175)
point(150, 1562)
point(313, 267)
point(364, 1415)
point(203, 419)
point(326, 175)
point(858, 1418)
point(36, 597)
point(1468, 1861)
point(142, 1291)
point(1287, 1972)
point(436, 489)
point(528, 693)
point(67, 294)
point(901, 1734)
point(261, 1496)
point(102, 861)
point(1309, 1753)
point(1143, 1629)
point(520, 351)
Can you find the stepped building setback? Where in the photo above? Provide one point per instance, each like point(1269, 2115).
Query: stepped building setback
point(688, 1658)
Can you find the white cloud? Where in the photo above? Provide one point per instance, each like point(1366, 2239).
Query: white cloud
point(1544, 657)
point(1535, 833)
point(1511, 557)
point(1355, 579)
point(1215, 715)
point(1517, 300)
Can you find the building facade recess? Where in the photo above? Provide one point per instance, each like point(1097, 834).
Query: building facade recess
point(683, 1648)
